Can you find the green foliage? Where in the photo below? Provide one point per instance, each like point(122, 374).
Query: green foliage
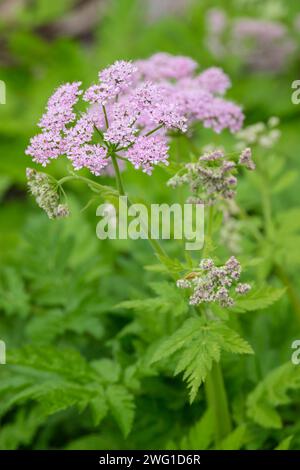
point(200, 344)
point(122, 406)
point(199, 436)
point(236, 439)
point(98, 336)
point(168, 299)
point(61, 378)
point(258, 299)
point(22, 430)
point(285, 443)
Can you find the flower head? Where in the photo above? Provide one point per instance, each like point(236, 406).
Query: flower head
point(246, 159)
point(147, 152)
point(210, 178)
point(45, 146)
point(113, 80)
point(214, 80)
point(91, 156)
point(59, 110)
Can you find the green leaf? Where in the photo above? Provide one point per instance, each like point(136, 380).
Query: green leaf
point(285, 443)
point(271, 393)
point(99, 408)
point(108, 370)
point(200, 344)
point(235, 440)
point(13, 296)
point(178, 340)
point(172, 265)
point(232, 341)
point(199, 436)
point(289, 221)
point(287, 180)
point(21, 430)
point(108, 193)
point(168, 299)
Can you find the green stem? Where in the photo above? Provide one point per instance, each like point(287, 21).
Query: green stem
point(290, 289)
point(217, 401)
point(88, 181)
point(154, 243)
point(120, 149)
point(154, 130)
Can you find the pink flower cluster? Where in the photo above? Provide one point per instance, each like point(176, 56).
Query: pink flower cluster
point(265, 45)
point(131, 111)
point(112, 81)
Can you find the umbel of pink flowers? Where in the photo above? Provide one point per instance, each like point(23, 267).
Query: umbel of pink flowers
point(130, 112)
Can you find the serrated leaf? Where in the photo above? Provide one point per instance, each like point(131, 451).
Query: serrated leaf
point(235, 440)
point(108, 370)
point(200, 344)
point(168, 299)
point(285, 181)
point(172, 265)
point(231, 341)
point(14, 299)
point(99, 407)
point(179, 339)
